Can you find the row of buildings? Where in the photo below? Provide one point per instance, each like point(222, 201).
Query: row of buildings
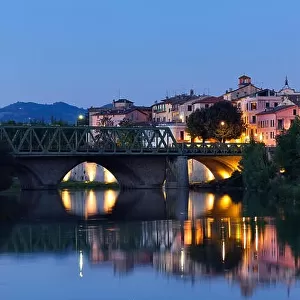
point(266, 112)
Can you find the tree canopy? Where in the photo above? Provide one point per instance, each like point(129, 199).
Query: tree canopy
point(221, 121)
point(287, 154)
point(257, 170)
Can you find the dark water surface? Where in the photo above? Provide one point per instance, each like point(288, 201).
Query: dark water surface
point(88, 245)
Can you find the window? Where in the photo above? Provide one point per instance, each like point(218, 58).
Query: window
point(253, 106)
point(186, 119)
point(275, 104)
point(294, 112)
point(182, 135)
point(280, 124)
point(190, 107)
point(206, 106)
point(253, 119)
point(267, 104)
point(272, 123)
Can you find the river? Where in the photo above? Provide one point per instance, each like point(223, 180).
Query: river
point(145, 245)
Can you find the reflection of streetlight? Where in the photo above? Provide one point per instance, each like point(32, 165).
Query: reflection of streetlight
point(282, 170)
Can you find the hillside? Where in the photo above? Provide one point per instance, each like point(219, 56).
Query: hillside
point(26, 112)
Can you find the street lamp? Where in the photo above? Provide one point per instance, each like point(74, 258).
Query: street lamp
point(222, 124)
point(80, 120)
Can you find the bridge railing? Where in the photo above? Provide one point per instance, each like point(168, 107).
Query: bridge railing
point(212, 148)
point(86, 139)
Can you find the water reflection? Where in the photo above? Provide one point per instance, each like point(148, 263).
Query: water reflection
point(87, 203)
point(192, 237)
point(246, 252)
point(146, 204)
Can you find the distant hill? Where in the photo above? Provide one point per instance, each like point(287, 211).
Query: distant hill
point(26, 112)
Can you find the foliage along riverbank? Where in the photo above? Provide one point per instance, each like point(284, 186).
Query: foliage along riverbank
point(275, 177)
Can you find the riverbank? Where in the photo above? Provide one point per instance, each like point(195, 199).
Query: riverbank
point(235, 182)
point(87, 185)
point(74, 185)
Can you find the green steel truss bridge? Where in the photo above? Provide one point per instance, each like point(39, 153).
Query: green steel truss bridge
point(86, 140)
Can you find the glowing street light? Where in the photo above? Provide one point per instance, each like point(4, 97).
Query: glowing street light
point(222, 123)
point(80, 120)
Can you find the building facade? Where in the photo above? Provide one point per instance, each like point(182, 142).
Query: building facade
point(120, 110)
point(274, 122)
point(245, 88)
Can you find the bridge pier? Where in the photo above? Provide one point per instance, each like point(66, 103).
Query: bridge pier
point(177, 172)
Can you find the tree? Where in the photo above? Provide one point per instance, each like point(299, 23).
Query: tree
point(225, 121)
point(221, 121)
point(6, 167)
point(106, 121)
point(129, 137)
point(257, 170)
point(287, 153)
point(126, 123)
point(198, 124)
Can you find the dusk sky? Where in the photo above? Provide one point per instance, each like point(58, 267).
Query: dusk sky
point(88, 52)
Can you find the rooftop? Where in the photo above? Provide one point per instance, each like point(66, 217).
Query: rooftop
point(275, 109)
point(116, 111)
point(209, 100)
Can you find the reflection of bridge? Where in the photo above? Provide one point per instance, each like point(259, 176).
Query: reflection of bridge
point(71, 237)
point(246, 250)
point(138, 157)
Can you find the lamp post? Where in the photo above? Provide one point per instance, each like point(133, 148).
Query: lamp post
point(80, 120)
point(222, 124)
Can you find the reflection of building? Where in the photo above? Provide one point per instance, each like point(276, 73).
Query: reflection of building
point(243, 250)
point(265, 261)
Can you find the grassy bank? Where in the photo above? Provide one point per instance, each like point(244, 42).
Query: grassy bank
point(87, 185)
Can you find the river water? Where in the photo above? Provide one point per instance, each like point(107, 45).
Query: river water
point(138, 245)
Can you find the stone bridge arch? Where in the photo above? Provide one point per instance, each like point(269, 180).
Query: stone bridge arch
point(221, 167)
point(38, 172)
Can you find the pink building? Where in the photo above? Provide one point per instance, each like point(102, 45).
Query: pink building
point(117, 112)
point(251, 106)
point(273, 122)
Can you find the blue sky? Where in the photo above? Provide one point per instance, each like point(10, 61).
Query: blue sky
point(88, 52)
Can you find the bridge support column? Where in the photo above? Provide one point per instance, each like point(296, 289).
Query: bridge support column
point(177, 172)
